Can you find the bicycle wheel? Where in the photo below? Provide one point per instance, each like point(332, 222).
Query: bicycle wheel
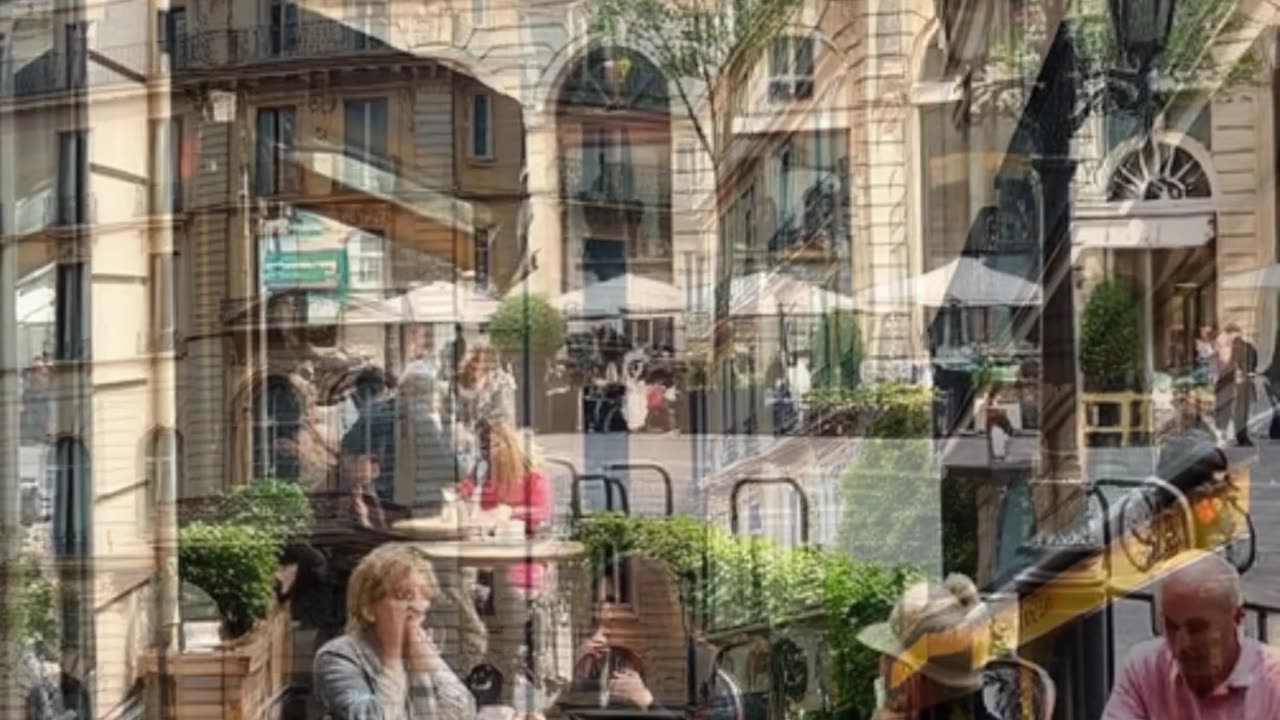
point(1242, 550)
point(1140, 536)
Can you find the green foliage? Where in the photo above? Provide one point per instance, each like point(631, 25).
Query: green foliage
point(883, 410)
point(857, 595)
point(1110, 338)
point(233, 555)
point(891, 501)
point(696, 45)
point(1187, 59)
point(279, 507)
point(751, 580)
point(234, 564)
point(35, 620)
point(837, 350)
point(530, 321)
point(1197, 24)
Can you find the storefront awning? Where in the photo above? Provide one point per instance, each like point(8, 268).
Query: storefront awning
point(1139, 232)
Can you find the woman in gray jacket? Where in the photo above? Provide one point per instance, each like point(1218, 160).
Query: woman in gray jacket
point(385, 667)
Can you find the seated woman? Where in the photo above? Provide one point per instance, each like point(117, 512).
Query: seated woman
point(510, 489)
point(605, 674)
point(385, 667)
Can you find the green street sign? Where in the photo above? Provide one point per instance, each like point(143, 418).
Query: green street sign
point(305, 270)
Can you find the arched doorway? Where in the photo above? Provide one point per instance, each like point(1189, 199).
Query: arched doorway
point(1156, 234)
point(613, 126)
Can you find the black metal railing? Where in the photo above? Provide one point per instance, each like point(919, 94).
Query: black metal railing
point(322, 38)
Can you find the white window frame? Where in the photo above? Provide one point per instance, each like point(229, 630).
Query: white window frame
point(480, 13)
point(357, 251)
point(788, 84)
point(473, 152)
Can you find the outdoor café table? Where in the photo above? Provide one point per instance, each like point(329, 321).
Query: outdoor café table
point(511, 636)
point(495, 551)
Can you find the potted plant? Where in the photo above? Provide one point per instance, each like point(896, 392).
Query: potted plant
point(233, 554)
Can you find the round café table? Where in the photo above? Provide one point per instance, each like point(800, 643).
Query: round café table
point(489, 552)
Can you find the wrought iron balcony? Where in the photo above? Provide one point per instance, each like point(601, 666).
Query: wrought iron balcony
point(322, 38)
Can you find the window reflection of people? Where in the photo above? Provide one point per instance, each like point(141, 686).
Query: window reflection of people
point(933, 650)
point(510, 489)
point(360, 468)
point(605, 674)
point(385, 667)
point(1202, 666)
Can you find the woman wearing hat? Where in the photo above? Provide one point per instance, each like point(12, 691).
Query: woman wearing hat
point(935, 664)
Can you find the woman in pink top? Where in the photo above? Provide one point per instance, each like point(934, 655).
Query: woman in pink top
point(511, 481)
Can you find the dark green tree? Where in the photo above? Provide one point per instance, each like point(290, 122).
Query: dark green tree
point(1110, 338)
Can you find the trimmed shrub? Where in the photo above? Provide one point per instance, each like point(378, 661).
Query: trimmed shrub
point(527, 320)
point(235, 565)
point(1111, 338)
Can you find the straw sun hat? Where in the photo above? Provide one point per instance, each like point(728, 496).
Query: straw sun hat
point(940, 629)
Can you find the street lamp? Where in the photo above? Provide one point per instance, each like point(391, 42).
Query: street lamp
point(1142, 29)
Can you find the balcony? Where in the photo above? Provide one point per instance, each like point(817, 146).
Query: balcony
point(614, 183)
point(60, 72)
point(307, 40)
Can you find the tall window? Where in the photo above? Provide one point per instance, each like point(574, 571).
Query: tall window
point(73, 178)
point(607, 170)
point(481, 259)
point(366, 141)
point(276, 421)
point(481, 119)
point(69, 478)
point(171, 32)
point(791, 68)
point(479, 13)
point(161, 466)
point(77, 58)
point(72, 312)
point(4, 64)
point(282, 24)
point(366, 255)
point(164, 314)
point(368, 22)
point(166, 158)
point(275, 144)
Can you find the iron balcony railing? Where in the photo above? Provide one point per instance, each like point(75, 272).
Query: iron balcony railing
point(307, 40)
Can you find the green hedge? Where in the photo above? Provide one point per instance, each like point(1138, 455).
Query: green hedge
point(1111, 338)
point(233, 555)
point(882, 409)
point(752, 580)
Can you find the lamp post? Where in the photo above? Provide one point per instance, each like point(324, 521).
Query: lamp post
point(1053, 112)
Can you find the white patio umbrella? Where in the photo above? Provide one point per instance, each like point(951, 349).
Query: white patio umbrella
point(765, 294)
point(965, 281)
point(436, 302)
point(625, 294)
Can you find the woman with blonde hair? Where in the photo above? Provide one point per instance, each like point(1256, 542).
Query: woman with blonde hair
point(385, 667)
point(506, 486)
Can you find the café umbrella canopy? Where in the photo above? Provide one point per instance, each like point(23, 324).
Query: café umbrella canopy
point(965, 281)
point(626, 294)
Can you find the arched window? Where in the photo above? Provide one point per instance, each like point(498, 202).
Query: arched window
point(277, 417)
point(161, 467)
point(1158, 171)
point(72, 489)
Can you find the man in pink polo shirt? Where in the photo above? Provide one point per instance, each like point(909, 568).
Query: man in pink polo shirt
point(1202, 668)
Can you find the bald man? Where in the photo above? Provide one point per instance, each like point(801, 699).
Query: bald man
point(1202, 668)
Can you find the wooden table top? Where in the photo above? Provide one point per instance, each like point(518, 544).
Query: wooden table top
point(498, 551)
